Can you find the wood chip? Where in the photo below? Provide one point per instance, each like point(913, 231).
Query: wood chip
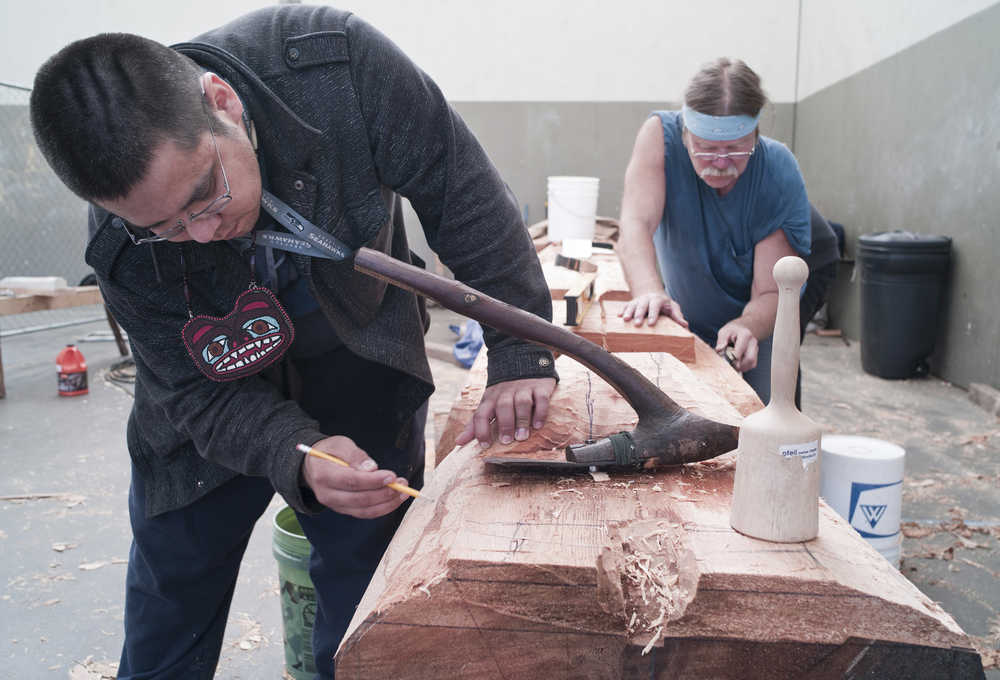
point(652, 641)
point(33, 496)
point(555, 494)
point(914, 530)
point(91, 566)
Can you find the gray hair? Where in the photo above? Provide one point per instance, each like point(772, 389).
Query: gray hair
point(726, 87)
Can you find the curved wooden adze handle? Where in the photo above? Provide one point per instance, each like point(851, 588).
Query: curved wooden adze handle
point(665, 431)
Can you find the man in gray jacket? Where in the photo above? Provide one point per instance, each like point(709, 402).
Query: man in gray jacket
point(244, 350)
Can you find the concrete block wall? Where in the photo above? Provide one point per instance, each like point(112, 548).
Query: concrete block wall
point(912, 142)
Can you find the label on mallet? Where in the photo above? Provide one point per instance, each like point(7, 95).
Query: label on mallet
point(808, 452)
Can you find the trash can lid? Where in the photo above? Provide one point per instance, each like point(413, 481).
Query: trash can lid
point(905, 240)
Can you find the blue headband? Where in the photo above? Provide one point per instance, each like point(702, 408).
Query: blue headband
point(718, 128)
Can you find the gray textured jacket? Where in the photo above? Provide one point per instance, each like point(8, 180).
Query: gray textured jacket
point(346, 123)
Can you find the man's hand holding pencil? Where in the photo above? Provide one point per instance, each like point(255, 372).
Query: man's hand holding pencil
point(346, 480)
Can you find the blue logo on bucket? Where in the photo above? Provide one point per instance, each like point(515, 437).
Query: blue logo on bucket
point(873, 513)
point(879, 507)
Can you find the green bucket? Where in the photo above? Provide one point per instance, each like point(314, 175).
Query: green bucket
point(298, 597)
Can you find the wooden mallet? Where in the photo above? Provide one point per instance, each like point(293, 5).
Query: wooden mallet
point(776, 490)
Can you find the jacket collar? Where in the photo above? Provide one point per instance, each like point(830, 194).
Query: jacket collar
point(288, 134)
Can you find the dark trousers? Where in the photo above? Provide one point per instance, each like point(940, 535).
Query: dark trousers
point(183, 567)
point(183, 564)
point(816, 293)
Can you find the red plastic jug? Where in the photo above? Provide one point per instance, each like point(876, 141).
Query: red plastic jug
point(72, 372)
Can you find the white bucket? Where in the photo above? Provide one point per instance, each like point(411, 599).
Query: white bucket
point(572, 213)
point(862, 479)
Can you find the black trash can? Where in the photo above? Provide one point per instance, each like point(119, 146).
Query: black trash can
point(903, 280)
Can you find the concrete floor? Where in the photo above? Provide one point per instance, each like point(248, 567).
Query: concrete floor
point(64, 547)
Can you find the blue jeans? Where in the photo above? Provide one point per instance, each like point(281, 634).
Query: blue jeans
point(183, 567)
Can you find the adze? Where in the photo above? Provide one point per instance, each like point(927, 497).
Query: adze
point(665, 432)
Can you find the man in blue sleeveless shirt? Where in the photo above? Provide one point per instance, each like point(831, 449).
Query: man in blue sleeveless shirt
point(714, 204)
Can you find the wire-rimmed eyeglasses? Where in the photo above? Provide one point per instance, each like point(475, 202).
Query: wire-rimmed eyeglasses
point(213, 208)
point(711, 156)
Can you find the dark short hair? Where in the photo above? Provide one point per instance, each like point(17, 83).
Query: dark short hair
point(101, 106)
point(726, 87)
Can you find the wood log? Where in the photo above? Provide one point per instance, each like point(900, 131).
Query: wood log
point(513, 574)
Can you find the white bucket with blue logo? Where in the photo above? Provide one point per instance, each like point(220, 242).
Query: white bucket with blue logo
point(862, 479)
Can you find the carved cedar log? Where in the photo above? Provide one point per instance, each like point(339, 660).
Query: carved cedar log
point(532, 575)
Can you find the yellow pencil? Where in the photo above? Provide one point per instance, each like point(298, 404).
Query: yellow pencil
point(402, 488)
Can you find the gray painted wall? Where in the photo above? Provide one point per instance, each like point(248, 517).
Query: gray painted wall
point(529, 141)
point(913, 143)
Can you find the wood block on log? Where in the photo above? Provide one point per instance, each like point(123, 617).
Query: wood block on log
point(513, 574)
point(610, 284)
point(603, 326)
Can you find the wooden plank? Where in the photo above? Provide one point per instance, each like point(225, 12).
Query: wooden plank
point(512, 574)
point(603, 326)
point(60, 299)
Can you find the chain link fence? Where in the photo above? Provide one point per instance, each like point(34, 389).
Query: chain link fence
point(44, 226)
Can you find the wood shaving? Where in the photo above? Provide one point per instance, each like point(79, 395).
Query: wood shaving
point(652, 641)
point(555, 494)
point(88, 669)
point(426, 588)
point(250, 636)
point(970, 544)
point(914, 530)
point(981, 566)
point(658, 622)
point(91, 566)
point(599, 476)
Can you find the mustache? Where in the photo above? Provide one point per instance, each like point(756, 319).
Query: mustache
point(729, 171)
